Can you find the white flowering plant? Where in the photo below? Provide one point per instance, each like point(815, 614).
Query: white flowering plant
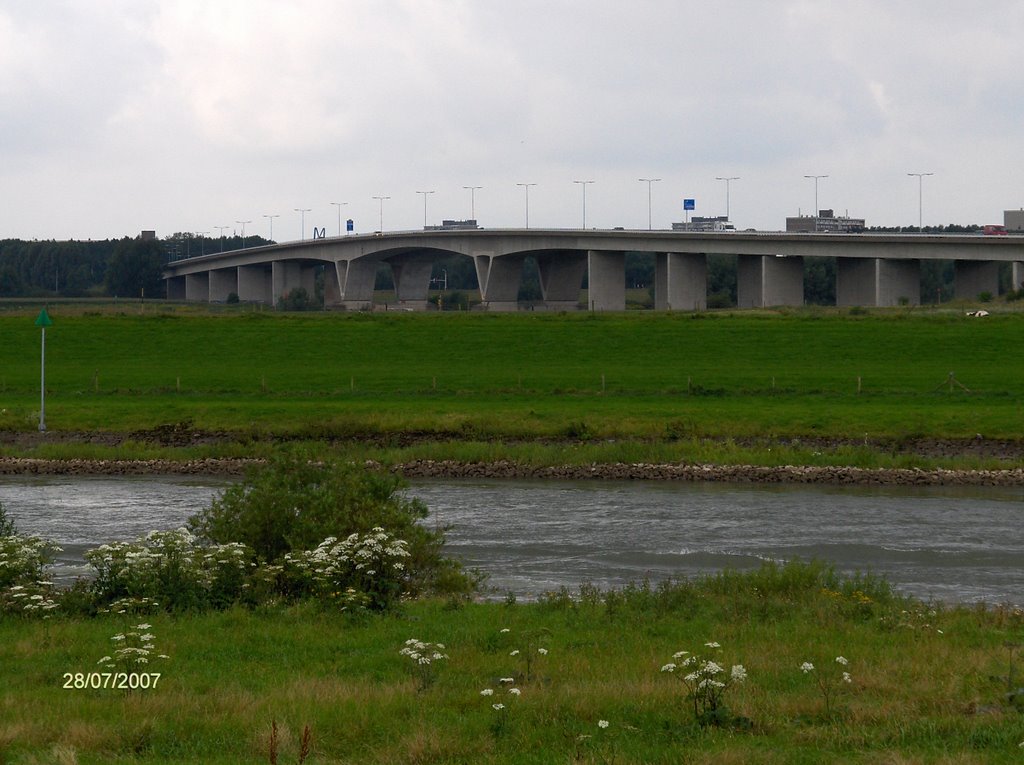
point(501, 701)
point(171, 568)
point(831, 677)
point(423, 658)
point(23, 559)
point(134, 650)
point(374, 564)
point(707, 681)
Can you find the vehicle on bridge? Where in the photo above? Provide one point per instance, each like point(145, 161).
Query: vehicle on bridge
point(994, 229)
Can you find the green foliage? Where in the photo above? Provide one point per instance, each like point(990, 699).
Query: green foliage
point(293, 503)
point(296, 299)
point(232, 298)
point(136, 268)
point(7, 527)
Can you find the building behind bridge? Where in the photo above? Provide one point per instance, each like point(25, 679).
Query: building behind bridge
point(825, 222)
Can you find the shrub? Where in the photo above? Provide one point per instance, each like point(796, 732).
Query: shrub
point(232, 298)
point(292, 504)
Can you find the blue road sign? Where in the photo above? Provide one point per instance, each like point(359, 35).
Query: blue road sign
point(689, 204)
point(350, 225)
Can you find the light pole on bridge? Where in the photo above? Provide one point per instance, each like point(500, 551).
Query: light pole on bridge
point(816, 179)
point(222, 229)
point(339, 205)
point(727, 182)
point(920, 199)
point(302, 211)
point(271, 218)
point(425, 194)
point(202, 241)
point(527, 187)
point(649, 181)
point(472, 200)
point(584, 185)
point(243, 222)
point(381, 199)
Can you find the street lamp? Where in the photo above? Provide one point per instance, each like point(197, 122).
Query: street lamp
point(339, 205)
point(424, 193)
point(584, 185)
point(649, 181)
point(527, 187)
point(727, 181)
point(303, 211)
point(382, 212)
point(920, 198)
point(202, 241)
point(221, 229)
point(816, 177)
point(243, 222)
point(472, 200)
point(271, 217)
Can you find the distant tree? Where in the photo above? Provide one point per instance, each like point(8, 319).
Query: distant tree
point(10, 282)
point(136, 265)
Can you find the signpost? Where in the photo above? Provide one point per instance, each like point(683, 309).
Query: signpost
point(689, 204)
point(43, 322)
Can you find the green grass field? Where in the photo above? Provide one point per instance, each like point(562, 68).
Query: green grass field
point(926, 686)
point(528, 377)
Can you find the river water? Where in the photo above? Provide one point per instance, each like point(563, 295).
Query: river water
point(949, 544)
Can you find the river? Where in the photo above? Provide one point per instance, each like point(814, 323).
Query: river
point(942, 543)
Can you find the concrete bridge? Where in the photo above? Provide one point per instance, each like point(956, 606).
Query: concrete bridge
point(871, 269)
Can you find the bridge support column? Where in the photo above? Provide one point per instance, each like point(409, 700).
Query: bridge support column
point(877, 282)
point(223, 281)
point(356, 280)
point(1016, 276)
point(197, 287)
point(767, 280)
point(254, 284)
point(286, 276)
point(972, 277)
point(680, 281)
point(176, 288)
point(412, 278)
point(499, 279)
point(606, 283)
point(561, 278)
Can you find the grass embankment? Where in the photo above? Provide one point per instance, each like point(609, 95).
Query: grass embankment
point(926, 687)
point(627, 387)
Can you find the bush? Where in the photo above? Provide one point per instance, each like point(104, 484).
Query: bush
point(296, 300)
point(293, 504)
point(7, 528)
point(232, 298)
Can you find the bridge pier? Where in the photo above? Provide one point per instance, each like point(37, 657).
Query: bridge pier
point(254, 284)
point(286, 276)
point(176, 288)
point(877, 282)
point(1016, 276)
point(499, 279)
point(197, 287)
point(411, 272)
point(561, 278)
point(767, 280)
point(680, 281)
point(606, 284)
point(972, 277)
point(223, 281)
point(354, 281)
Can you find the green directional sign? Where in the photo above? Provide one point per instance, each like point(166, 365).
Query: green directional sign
point(44, 319)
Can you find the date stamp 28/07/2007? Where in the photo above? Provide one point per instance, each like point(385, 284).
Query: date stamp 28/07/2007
point(128, 681)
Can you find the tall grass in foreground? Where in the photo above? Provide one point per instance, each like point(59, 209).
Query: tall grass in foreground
point(929, 684)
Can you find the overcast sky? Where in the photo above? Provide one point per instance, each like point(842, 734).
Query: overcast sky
point(185, 115)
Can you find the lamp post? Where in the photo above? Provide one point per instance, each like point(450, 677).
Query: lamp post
point(649, 181)
point(339, 205)
point(527, 187)
point(472, 200)
point(425, 193)
point(302, 211)
point(202, 241)
point(584, 185)
point(816, 178)
point(920, 199)
point(221, 229)
point(271, 219)
point(382, 198)
point(727, 181)
point(42, 322)
point(243, 222)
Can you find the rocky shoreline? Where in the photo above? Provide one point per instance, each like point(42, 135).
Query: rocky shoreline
point(448, 469)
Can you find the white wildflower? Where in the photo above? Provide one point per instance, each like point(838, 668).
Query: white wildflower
point(807, 667)
point(487, 692)
point(602, 724)
point(514, 691)
point(841, 660)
